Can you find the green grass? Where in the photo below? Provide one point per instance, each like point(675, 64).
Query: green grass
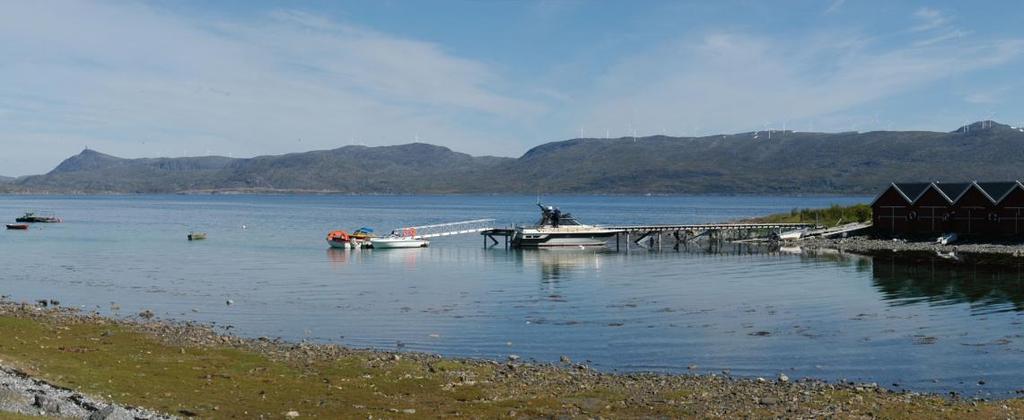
point(128, 366)
point(829, 216)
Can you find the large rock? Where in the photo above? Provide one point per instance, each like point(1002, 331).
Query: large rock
point(11, 400)
point(111, 412)
point(48, 404)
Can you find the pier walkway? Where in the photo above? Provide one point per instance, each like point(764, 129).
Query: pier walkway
point(447, 229)
point(681, 233)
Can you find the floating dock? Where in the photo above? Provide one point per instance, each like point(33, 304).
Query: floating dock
point(681, 234)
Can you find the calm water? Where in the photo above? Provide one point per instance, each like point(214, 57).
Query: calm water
point(925, 324)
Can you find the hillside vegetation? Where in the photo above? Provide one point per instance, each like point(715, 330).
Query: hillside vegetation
point(788, 163)
point(829, 216)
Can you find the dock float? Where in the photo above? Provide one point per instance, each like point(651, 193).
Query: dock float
point(681, 233)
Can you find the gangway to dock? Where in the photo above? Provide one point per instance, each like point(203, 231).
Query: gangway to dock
point(446, 229)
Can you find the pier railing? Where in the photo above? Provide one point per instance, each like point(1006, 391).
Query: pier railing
point(446, 229)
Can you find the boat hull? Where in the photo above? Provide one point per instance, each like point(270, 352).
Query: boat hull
point(540, 240)
point(387, 243)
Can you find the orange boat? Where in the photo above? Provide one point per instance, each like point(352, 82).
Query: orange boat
point(358, 239)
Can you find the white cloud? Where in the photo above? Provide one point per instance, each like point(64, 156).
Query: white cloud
point(834, 7)
point(930, 19)
point(721, 82)
point(140, 79)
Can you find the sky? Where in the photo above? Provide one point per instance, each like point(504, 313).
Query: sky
point(248, 78)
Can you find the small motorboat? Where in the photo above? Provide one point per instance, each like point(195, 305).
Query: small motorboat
point(398, 241)
point(196, 236)
point(360, 238)
point(31, 217)
point(792, 235)
point(17, 227)
point(946, 239)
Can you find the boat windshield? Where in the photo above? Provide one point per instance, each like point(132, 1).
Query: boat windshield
point(552, 216)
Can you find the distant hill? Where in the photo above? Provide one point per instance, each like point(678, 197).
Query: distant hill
point(6, 179)
point(786, 163)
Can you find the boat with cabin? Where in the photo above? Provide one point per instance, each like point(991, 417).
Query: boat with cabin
point(31, 217)
point(556, 228)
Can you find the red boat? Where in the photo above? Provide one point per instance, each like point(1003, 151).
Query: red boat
point(17, 227)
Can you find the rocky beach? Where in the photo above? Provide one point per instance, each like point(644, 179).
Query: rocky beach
point(73, 364)
point(1009, 251)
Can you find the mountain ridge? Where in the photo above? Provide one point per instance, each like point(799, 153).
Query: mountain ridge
point(789, 162)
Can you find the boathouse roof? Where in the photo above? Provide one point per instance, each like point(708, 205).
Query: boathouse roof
point(952, 191)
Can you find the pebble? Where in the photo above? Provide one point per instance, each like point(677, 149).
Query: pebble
point(291, 414)
point(783, 378)
point(565, 359)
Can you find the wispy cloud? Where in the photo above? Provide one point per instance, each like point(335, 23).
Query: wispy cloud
point(129, 76)
point(834, 7)
point(929, 19)
point(713, 82)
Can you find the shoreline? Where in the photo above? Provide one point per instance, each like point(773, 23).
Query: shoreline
point(329, 379)
point(1007, 252)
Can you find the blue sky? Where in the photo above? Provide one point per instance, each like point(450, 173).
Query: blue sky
point(246, 78)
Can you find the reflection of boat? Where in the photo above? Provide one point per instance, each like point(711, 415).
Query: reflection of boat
point(560, 229)
point(358, 239)
point(30, 217)
point(398, 241)
point(196, 236)
point(791, 250)
point(17, 227)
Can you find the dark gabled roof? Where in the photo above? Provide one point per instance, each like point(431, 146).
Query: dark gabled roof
point(996, 191)
point(912, 190)
point(952, 191)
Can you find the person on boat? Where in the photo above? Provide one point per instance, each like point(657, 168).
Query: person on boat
point(557, 215)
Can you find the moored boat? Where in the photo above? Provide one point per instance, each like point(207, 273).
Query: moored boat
point(196, 236)
point(31, 217)
point(17, 227)
point(360, 238)
point(560, 229)
point(397, 241)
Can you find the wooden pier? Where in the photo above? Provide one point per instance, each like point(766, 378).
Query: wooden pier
point(681, 234)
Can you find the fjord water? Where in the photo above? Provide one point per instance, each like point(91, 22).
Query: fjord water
point(924, 323)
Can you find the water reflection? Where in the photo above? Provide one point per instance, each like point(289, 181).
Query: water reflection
point(557, 264)
point(936, 280)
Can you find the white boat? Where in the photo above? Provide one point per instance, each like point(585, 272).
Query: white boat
point(946, 239)
point(792, 235)
point(398, 242)
point(560, 229)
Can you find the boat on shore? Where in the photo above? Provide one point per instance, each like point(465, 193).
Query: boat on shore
point(31, 217)
point(560, 229)
point(17, 227)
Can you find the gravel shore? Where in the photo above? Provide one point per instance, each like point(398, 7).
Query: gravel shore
point(869, 245)
point(507, 388)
